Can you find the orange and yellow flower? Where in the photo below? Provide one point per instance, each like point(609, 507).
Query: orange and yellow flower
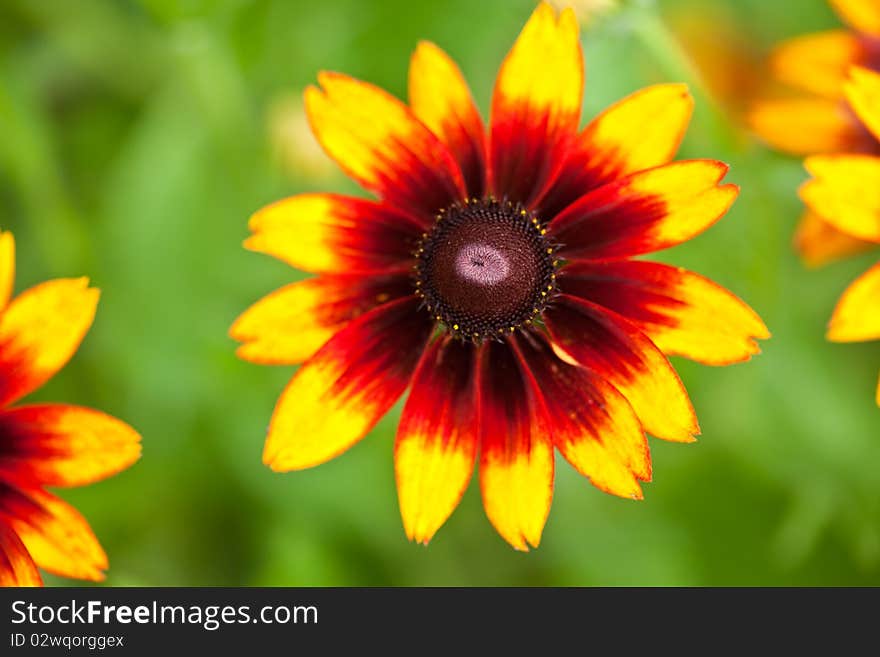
point(821, 117)
point(717, 43)
point(845, 192)
point(494, 278)
point(49, 445)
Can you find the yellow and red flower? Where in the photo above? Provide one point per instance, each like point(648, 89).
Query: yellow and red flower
point(48, 445)
point(821, 119)
point(494, 279)
point(845, 192)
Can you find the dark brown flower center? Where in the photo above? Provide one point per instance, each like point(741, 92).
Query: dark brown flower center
point(486, 268)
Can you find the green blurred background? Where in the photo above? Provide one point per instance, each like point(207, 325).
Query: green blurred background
point(137, 137)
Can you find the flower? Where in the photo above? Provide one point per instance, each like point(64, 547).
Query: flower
point(820, 119)
point(845, 192)
point(49, 444)
point(493, 279)
point(718, 45)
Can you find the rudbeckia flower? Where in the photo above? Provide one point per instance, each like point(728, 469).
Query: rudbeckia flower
point(845, 191)
point(493, 278)
point(48, 445)
point(820, 118)
point(716, 41)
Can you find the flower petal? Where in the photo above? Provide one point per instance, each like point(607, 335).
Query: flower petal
point(341, 392)
point(536, 106)
point(862, 15)
point(326, 233)
point(845, 192)
point(57, 537)
point(289, 325)
point(863, 93)
point(857, 315)
point(820, 243)
point(647, 211)
point(7, 268)
point(591, 423)
point(436, 443)
point(804, 126)
point(17, 568)
point(59, 445)
point(817, 63)
point(616, 350)
point(378, 141)
point(681, 312)
point(640, 132)
point(516, 455)
point(440, 98)
point(40, 331)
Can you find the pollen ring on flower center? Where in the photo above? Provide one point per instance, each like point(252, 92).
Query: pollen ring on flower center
point(486, 268)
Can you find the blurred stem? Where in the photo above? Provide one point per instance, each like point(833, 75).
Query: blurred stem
point(668, 52)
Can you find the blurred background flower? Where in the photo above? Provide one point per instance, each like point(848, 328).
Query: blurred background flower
point(136, 137)
point(295, 150)
point(717, 39)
